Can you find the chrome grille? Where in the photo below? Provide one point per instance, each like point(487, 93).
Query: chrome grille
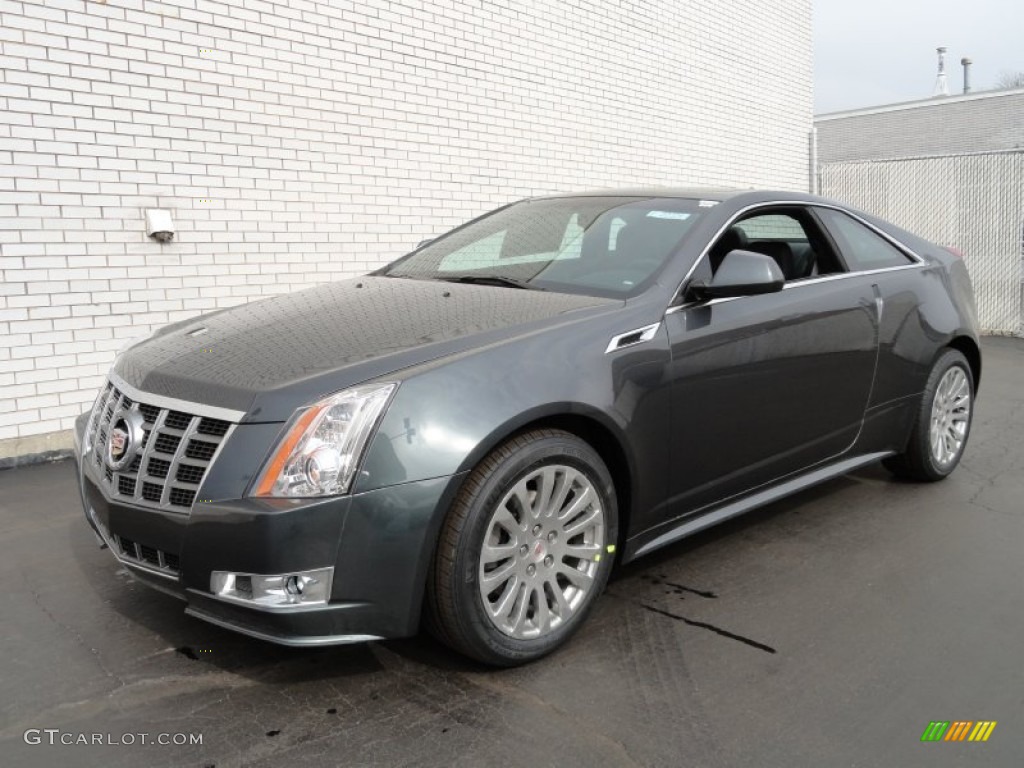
point(176, 451)
point(157, 467)
point(152, 492)
point(190, 473)
point(214, 427)
point(200, 449)
point(166, 443)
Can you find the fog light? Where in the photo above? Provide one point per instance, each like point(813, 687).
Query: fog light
point(274, 591)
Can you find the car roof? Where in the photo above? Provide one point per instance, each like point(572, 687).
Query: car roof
point(719, 194)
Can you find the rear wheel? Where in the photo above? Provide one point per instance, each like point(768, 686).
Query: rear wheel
point(524, 550)
point(943, 422)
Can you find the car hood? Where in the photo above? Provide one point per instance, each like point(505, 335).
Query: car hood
point(269, 357)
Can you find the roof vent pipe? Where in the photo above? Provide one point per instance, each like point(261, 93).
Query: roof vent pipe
point(966, 63)
point(941, 85)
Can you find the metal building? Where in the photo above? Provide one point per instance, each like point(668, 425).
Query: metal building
point(950, 169)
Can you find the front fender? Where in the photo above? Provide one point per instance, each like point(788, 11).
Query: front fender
point(448, 415)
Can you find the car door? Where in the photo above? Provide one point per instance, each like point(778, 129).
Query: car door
point(900, 373)
point(765, 386)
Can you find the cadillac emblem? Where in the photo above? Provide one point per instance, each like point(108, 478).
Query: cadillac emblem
point(125, 438)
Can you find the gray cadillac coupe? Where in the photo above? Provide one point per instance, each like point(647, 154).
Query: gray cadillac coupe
point(475, 433)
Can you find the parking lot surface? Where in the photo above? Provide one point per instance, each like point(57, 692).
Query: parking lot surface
point(828, 629)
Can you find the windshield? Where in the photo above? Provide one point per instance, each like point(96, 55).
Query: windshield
point(605, 246)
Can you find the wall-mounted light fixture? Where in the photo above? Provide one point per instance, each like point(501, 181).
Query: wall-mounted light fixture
point(159, 224)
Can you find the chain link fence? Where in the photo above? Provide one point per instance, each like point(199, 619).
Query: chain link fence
point(972, 202)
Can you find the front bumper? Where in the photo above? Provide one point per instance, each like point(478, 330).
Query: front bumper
point(380, 544)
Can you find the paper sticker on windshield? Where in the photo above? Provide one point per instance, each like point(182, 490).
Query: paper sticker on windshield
point(707, 203)
point(668, 215)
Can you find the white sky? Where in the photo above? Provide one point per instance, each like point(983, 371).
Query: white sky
point(872, 52)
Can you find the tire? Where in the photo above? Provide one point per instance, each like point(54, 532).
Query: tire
point(487, 604)
point(943, 423)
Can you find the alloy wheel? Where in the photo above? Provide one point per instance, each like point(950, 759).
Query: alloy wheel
point(951, 414)
point(541, 551)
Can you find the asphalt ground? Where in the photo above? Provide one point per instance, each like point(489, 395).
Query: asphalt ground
point(828, 629)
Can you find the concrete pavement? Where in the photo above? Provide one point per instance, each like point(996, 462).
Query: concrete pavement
point(825, 630)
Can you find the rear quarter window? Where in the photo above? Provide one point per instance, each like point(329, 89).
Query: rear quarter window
point(862, 248)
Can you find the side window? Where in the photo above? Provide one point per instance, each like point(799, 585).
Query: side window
point(862, 248)
point(781, 236)
point(772, 226)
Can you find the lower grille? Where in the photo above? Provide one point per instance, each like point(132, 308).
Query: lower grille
point(174, 452)
point(150, 556)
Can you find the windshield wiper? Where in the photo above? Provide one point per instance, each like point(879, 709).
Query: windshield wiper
point(509, 282)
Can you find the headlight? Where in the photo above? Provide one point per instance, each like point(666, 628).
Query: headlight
point(319, 454)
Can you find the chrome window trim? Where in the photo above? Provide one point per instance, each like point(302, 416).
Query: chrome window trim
point(842, 275)
point(799, 284)
point(647, 333)
point(174, 403)
point(710, 303)
point(905, 249)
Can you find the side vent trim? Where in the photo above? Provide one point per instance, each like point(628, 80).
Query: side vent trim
point(632, 338)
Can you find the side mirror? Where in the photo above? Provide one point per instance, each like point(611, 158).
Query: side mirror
point(741, 273)
point(421, 243)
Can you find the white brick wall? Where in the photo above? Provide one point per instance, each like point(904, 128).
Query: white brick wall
point(300, 141)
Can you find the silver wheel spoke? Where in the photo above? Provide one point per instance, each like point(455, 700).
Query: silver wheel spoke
point(521, 608)
point(561, 491)
point(542, 617)
point(492, 579)
point(506, 520)
point(582, 551)
point(522, 497)
point(545, 488)
point(578, 503)
point(527, 587)
point(498, 552)
point(508, 596)
point(578, 578)
point(564, 609)
point(582, 522)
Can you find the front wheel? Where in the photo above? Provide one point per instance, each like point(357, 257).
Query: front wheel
point(943, 423)
point(525, 549)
